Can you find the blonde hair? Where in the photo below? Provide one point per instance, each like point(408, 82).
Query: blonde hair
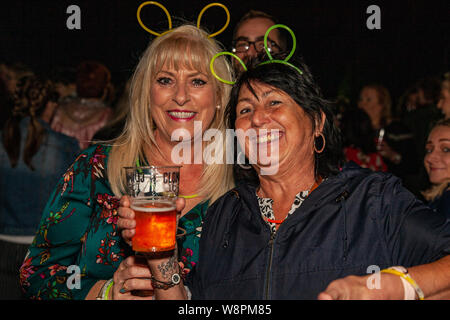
point(187, 46)
point(437, 190)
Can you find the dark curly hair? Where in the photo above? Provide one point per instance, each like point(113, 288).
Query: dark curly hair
point(30, 99)
point(303, 89)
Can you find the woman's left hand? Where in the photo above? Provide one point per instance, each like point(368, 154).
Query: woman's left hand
point(385, 287)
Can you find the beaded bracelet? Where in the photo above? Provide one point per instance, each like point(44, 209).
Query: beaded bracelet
point(158, 284)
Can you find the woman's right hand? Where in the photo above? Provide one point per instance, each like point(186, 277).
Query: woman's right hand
point(126, 221)
point(131, 278)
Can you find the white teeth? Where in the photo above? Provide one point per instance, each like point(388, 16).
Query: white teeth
point(181, 114)
point(268, 138)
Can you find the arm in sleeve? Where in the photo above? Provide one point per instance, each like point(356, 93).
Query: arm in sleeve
point(414, 234)
point(59, 241)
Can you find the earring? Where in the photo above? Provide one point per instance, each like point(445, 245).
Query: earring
point(322, 147)
point(218, 107)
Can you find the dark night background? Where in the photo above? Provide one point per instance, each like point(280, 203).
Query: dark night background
point(331, 35)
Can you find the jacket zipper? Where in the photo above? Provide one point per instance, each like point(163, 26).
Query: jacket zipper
point(269, 267)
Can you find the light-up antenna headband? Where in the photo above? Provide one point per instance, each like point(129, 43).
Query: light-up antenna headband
point(271, 60)
point(169, 19)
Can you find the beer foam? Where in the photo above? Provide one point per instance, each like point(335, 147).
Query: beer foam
point(142, 206)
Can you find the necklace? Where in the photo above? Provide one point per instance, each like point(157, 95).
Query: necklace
point(311, 189)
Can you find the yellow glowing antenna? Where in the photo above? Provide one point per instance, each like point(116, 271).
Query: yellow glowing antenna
point(169, 19)
point(211, 65)
point(213, 5)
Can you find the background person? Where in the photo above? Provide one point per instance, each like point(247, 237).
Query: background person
point(437, 165)
point(395, 142)
point(33, 157)
point(11, 73)
point(82, 116)
point(172, 87)
point(418, 111)
point(117, 121)
point(248, 37)
point(358, 140)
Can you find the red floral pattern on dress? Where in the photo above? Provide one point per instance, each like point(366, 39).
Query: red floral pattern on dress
point(108, 215)
point(26, 271)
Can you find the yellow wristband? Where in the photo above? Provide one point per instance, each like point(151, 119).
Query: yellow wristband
point(407, 277)
point(109, 285)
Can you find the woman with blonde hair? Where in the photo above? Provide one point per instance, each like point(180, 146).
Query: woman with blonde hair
point(437, 165)
point(171, 88)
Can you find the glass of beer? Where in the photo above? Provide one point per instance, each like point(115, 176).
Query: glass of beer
point(153, 191)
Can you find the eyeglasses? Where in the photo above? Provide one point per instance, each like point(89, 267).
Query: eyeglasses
point(242, 46)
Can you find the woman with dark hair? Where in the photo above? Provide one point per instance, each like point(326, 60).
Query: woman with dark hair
point(32, 159)
point(309, 229)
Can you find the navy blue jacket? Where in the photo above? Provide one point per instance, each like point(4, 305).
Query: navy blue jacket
point(442, 204)
point(352, 224)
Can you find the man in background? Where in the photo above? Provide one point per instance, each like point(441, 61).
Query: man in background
point(248, 37)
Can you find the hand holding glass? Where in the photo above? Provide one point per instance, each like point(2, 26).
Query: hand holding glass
point(153, 191)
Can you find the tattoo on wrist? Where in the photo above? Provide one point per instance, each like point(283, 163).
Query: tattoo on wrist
point(168, 268)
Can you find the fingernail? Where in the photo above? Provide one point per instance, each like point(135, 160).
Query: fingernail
point(123, 291)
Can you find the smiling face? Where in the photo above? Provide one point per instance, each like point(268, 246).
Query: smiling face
point(437, 158)
point(178, 98)
point(272, 109)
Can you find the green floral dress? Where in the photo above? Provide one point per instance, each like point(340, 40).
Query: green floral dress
point(78, 243)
